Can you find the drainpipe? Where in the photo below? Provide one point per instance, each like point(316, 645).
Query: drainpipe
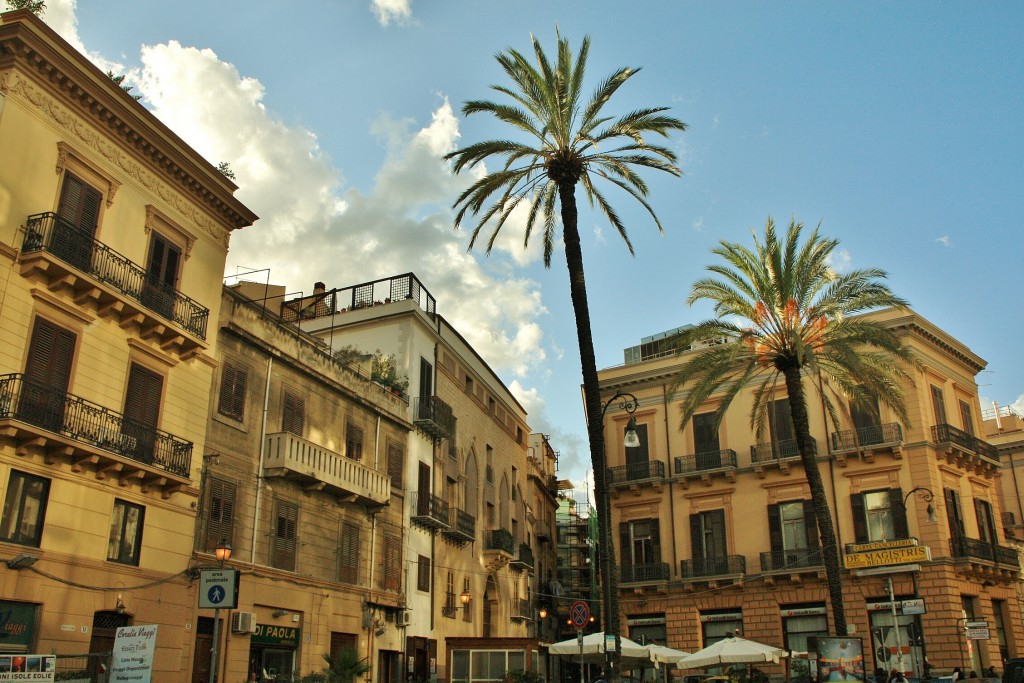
point(259, 471)
point(671, 482)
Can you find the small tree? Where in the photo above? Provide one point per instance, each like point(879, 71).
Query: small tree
point(344, 666)
point(383, 370)
point(225, 168)
point(36, 7)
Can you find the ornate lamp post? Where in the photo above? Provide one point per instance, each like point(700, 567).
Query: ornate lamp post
point(609, 583)
point(223, 553)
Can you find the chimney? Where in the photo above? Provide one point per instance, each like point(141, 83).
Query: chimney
point(319, 288)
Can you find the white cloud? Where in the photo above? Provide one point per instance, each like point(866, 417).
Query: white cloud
point(944, 241)
point(840, 260)
point(387, 11)
point(1018, 405)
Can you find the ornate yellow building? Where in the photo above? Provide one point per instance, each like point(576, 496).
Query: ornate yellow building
point(715, 534)
point(114, 234)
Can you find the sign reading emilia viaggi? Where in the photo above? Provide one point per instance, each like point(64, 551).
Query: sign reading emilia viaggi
point(885, 553)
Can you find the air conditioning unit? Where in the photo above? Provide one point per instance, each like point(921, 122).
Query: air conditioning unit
point(243, 622)
point(402, 618)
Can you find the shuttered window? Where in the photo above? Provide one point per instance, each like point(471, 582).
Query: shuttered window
point(354, 442)
point(705, 434)
point(391, 563)
point(142, 409)
point(423, 574)
point(986, 524)
point(707, 532)
point(954, 513)
point(233, 381)
point(221, 506)
point(792, 526)
point(938, 405)
point(47, 375)
point(396, 464)
point(294, 414)
point(348, 553)
point(641, 453)
point(286, 519)
point(164, 259)
point(879, 516)
point(780, 420)
point(78, 215)
point(966, 418)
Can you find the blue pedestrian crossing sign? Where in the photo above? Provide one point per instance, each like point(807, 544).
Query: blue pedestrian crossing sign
point(218, 589)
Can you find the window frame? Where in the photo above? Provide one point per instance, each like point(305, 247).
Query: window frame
point(283, 546)
point(234, 381)
point(353, 441)
point(423, 574)
point(18, 508)
point(293, 413)
point(348, 552)
point(221, 499)
point(119, 548)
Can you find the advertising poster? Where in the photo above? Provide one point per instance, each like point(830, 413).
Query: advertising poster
point(37, 668)
point(838, 659)
point(133, 655)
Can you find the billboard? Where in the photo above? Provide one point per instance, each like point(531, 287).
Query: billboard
point(838, 659)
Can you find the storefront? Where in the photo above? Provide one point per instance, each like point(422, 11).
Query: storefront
point(272, 651)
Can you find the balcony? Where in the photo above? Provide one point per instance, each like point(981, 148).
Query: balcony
point(656, 572)
point(966, 450)
point(708, 568)
point(433, 416)
point(788, 560)
point(499, 548)
point(524, 560)
point(704, 465)
point(63, 425)
point(868, 441)
point(429, 511)
point(777, 454)
point(985, 561)
point(461, 527)
point(635, 475)
point(519, 610)
point(320, 469)
point(63, 257)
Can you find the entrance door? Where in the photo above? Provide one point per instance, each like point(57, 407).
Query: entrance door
point(203, 650)
point(104, 632)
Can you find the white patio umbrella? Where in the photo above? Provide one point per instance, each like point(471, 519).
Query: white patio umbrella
point(661, 654)
point(633, 654)
point(732, 651)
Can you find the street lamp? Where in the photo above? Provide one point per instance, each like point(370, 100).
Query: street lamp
point(465, 598)
point(223, 553)
point(610, 610)
point(925, 494)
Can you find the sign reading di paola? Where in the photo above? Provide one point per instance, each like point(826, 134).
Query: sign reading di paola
point(885, 556)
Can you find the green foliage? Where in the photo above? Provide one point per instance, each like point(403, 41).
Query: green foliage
point(568, 141)
point(384, 371)
point(344, 666)
point(348, 354)
point(119, 81)
point(520, 676)
point(36, 7)
point(225, 168)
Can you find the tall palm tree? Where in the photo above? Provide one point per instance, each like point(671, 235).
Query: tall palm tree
point(787, 314)
point(566, 142)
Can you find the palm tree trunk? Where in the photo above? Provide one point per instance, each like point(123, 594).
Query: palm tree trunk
point(595, 427)
point(829, 549)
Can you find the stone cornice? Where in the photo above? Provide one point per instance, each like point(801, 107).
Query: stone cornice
point(32, 48)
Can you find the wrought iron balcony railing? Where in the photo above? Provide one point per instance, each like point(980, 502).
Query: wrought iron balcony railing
point(461, 526)
point(519, 609)
point(433, 416)
point(946, 433)
point(778, 560)
point(726, 565)
point(644, 573)
point(524, 560)
point(297, 458)
point(764, 453)
point(982, 550)
point(501, 540)
point(702, 462)
point(636, 471)
point(49, 233)
point(430, 511)
point(872, 435)
point(86, 422)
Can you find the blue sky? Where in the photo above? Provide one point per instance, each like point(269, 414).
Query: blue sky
point(896, 126)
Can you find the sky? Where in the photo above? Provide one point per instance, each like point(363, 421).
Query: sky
point(896, 127)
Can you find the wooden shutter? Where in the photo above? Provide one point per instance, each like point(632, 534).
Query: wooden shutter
point(775, 529)
point(348, 558)
point(780, 420)
point(164, 257)
point(811, 525)
point(697, 537)
point(391, 576)
point(79, 204)
point(625, 544)
point(705, 435)
point(966, 417)
point(716, 520)
point(284, 536)
point(50, 352)
point(233, 382)
point(860, 520)
point(954, 514)
point(986, 527)
point(220, 520)
point(655, 542)
point(353, 442)
point(426, 379)
point(423, 574)
point(142, 400)
point(423, 493)
point(294, 414)
point(938, 405)
point(396, 464)
point(899, 514)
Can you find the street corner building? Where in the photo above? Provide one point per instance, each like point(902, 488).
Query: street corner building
point(717, 536)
